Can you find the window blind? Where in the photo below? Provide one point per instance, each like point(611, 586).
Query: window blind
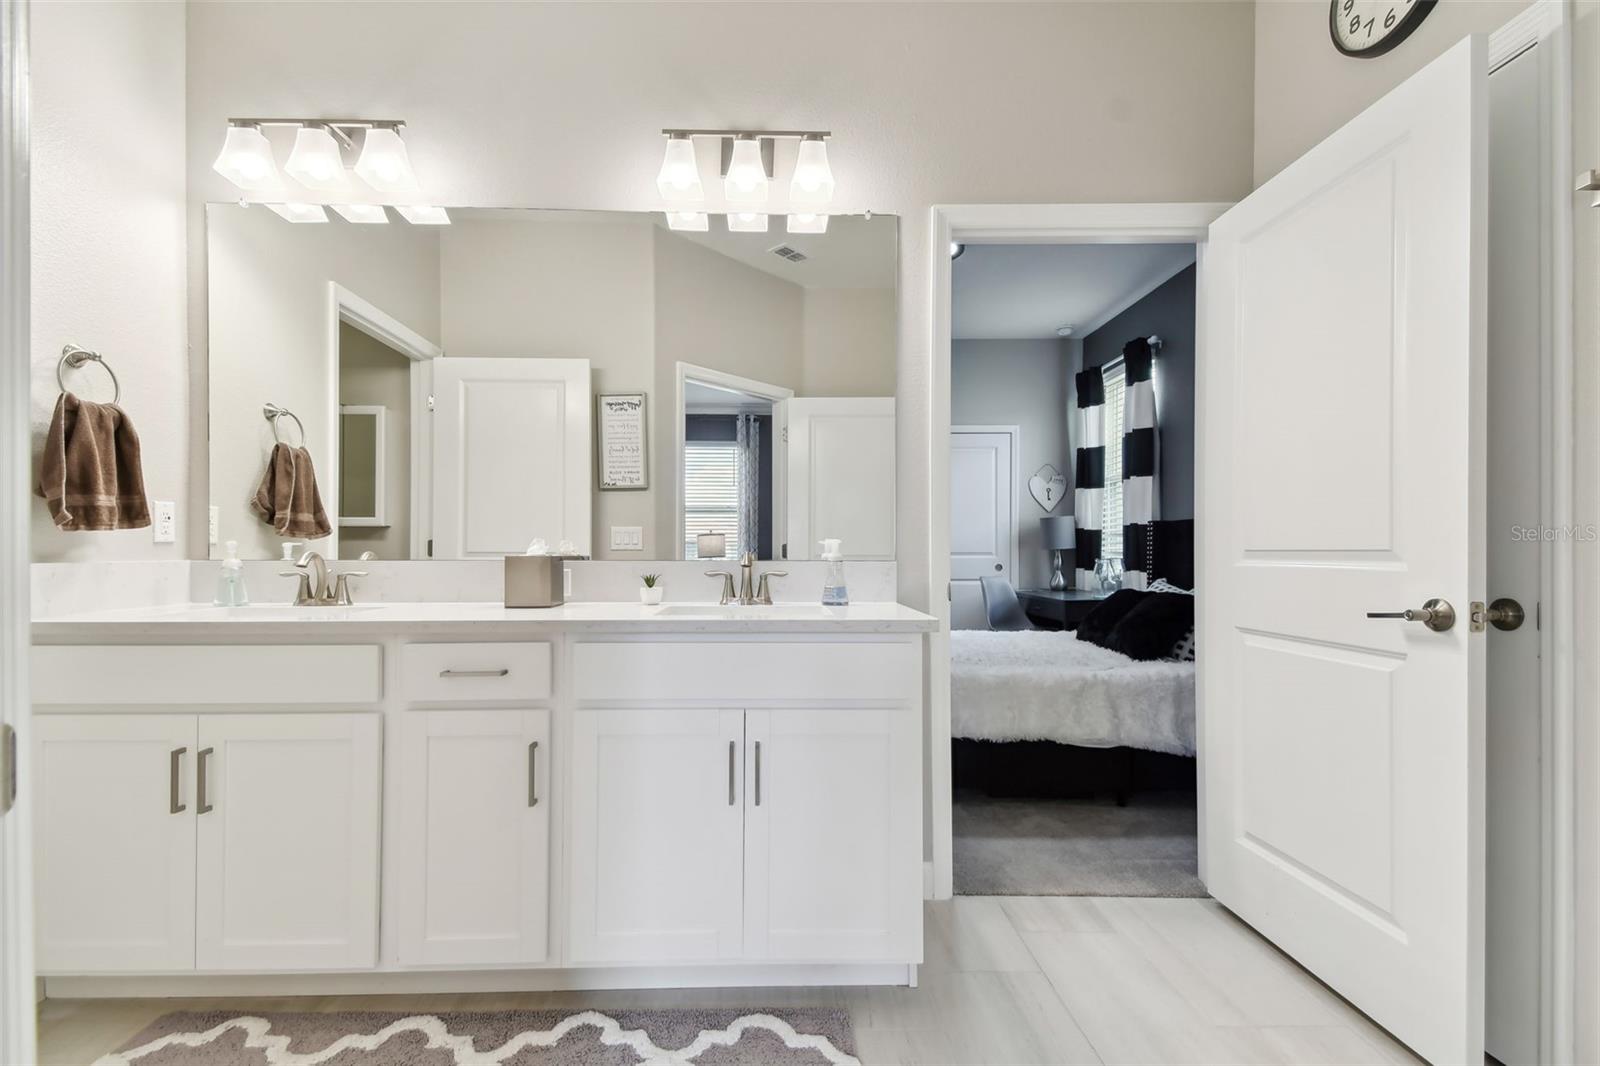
point(710, 493)
point(1111, 512)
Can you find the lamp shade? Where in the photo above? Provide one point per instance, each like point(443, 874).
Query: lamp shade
point(711, 545)
point(1060, 532)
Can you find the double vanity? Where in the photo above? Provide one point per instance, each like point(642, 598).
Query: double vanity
point(461, 796)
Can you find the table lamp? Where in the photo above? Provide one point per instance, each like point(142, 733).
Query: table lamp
point(1060, 534)
point(710, 546)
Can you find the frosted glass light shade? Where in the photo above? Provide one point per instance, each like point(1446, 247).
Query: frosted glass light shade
point(747, 222)
point(746, 180)
point(363, 214)
point(679, 179)
point(423, 214)
point(315, 161)
point(688, 221)
point(813, 178)
point(246, 159)
point(807, 222)
point(384, 163)
point(299, 212)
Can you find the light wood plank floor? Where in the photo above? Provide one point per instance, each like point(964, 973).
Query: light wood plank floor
point(1008, 980)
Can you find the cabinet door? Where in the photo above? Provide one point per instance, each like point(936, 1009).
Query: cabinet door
point(287, 875)
point(833, 835)
point(657, 824)
point(475, 834)
point(114, 831)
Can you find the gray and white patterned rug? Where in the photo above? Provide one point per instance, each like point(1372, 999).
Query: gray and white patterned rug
point(801, 1037)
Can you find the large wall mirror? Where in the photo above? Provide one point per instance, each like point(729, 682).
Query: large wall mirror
point(590, 381)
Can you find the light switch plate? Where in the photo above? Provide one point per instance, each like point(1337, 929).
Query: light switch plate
point(215, 520)
point(163, 521)
point(566, 582)
point(627, 538)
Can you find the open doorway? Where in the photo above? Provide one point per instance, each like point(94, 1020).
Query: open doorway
point(1072, 570)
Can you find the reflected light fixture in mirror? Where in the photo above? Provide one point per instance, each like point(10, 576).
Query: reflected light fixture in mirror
point(808, 222)
point(746, 180)
point(423, 214)
point(299, 212)
point(689, 221)
point(246, 159)
point(362, 214)
point(384, 163)
point(747, 222)
point(679, 179)
point(315, 161)
point(812, 185)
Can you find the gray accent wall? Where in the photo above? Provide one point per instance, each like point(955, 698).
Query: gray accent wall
point(1167, 311)
point(1028, 384)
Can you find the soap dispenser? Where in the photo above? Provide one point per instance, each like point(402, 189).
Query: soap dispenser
point(230, 579)
point(834, 592)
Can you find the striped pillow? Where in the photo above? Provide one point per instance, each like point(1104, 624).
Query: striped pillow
point(1183, 651)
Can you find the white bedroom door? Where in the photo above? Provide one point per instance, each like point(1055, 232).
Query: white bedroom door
point(840, 476)
point(511, 456)
point(1343, 461)
point(983, 504)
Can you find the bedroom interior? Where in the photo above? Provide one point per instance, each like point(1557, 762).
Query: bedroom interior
point(1072, 554)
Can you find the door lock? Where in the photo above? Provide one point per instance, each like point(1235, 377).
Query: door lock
point(1436, 614)
point(1504, 614)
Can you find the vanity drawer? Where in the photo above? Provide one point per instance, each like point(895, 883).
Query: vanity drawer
point(178, 674)
point(746, 671)
point(471, 673)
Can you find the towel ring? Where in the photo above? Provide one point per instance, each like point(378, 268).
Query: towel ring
point(73, 357)
point(272, 412)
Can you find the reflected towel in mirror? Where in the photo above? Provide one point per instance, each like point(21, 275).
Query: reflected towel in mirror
point(288, 499)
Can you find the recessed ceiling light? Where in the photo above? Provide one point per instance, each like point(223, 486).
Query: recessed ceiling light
point(1064, 331)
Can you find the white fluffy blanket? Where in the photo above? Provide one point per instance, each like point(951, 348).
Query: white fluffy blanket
point(1038, 685)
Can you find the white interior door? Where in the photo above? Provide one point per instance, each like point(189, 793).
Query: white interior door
point(840, 481)
point(1343, 462)
point(287, 856)
point(114, 823)
point(476, 798)
point(983, 512)
point(512, 448)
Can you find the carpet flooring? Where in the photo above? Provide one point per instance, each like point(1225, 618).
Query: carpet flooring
point(1070, 847)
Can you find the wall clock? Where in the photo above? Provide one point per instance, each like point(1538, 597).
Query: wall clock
point(1369, 28)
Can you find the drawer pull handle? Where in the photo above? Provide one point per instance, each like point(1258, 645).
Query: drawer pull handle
point(502, 672)
point(533, 789)
point(758, 773)
point(201, 761)
point(175, 766)
point(732, 744)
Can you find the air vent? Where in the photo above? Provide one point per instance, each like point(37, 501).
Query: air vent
point(794, 255)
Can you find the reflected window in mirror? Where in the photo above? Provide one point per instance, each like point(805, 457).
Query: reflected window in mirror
point(727, 465)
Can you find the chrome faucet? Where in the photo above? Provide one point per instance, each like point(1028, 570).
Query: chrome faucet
point(749, 592)
point(314, 590)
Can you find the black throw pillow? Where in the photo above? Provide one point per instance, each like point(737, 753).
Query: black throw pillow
point(1097, 625)
point(1155, 624)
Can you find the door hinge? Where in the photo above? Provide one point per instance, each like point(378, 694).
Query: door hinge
point(430, 401)
point(8, 768)
point(786, 434)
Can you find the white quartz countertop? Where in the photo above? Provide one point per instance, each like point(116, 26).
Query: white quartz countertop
point(186, 619)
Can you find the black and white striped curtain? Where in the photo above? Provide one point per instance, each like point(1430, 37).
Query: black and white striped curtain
point(1141, 489)
point(1088, 501)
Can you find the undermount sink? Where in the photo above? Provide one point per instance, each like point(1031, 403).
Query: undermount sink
point(734, 610)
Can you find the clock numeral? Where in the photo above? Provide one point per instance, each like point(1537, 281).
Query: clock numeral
point(1355, 23)
point(1389, 20)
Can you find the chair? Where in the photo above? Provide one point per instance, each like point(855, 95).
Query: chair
point(1001, 605)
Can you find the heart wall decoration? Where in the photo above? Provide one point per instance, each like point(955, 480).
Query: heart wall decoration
point(1048, 486)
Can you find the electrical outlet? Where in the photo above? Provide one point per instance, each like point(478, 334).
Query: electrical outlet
point(163, 521)
point(215, 520)
point(627, 538)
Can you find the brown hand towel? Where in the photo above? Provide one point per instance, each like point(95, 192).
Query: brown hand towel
point(287, 499)
point(91, 476)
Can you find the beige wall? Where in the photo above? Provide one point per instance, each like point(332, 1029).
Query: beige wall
point(371, 372)
point(1305, 88)
point(269, 327)
point(108, 242)
point(848, 342)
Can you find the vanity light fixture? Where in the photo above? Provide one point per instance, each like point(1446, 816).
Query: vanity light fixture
point(813, 178)
point(689, 221)
point(745, 181)
point(364, 214)
point(679, 179)
point(297, 212)
point(423, 214)
point(747, 222)
point(315, 161)
point(246, 159)
point(808, 222)
point(384, 163)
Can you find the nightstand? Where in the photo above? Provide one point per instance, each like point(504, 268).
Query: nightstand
point(1049, 609)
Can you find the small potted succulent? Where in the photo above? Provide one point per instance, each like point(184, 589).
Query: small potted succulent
point(650, 595)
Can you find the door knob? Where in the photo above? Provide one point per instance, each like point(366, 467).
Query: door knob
point(1436, 614)
point(1505, 613)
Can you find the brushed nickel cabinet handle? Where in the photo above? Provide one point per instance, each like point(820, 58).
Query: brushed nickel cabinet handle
point(533, 789)
point(202, 759)
point(174, 803)
point(502, 672)
point(758, 773)
point(732, 745)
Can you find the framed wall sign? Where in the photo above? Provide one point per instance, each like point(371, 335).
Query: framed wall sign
point(624, 453)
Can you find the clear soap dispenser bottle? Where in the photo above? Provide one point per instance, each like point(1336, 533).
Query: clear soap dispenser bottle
point(230, 579)
point(834, 592)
